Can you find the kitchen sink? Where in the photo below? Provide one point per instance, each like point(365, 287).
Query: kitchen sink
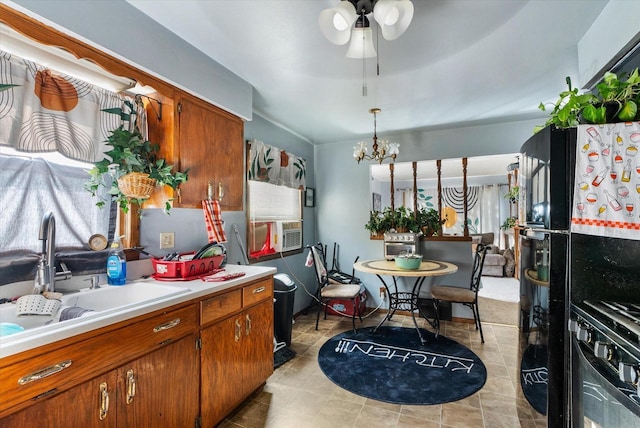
point(98, 301)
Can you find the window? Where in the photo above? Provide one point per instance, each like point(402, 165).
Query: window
point(31, 186)
point(270, 207)
point(274, 201)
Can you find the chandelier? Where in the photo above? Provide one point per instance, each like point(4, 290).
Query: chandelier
point(381, 151)
point(393, 18)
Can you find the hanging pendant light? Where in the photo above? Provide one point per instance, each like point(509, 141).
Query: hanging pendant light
point(382, 151)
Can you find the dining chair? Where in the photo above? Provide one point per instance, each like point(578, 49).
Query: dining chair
point(329, 289)
point(463, 295)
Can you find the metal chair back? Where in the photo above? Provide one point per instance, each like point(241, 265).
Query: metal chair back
point(478, 263)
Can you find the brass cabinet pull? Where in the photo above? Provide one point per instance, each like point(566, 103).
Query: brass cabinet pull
point(166, 326)
point(179, 195)
point(220, 192)
point(104, 401)
point(259, 290)
point(131, 386)
point(210, 190)
point(238, 330)
point(248, 325)
point(48, 371)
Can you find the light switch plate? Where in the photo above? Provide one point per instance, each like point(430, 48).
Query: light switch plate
point(167, 239)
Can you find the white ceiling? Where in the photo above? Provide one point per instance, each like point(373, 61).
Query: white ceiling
point(460, 61)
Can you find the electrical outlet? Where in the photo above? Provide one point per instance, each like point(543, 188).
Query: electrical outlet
point(167, 239)
point(383, 293)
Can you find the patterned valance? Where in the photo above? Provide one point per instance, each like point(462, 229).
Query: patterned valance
point(44, 111)
point(272, 165)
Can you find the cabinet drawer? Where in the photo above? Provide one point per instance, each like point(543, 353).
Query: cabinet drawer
point(220, 306)
point(257, 292)
point(60, 369)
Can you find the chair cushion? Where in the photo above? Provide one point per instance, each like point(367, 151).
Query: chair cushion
point(453, 294)
point(340, 291)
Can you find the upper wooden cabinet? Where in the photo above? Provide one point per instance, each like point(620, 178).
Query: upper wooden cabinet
point(191, 133)
point(210, 143)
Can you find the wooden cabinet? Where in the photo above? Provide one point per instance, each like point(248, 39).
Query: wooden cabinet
point(158, 389)
point(92, 402)
point(179, 367)
point(210, 143)
point(237, 350)
point(158, 348)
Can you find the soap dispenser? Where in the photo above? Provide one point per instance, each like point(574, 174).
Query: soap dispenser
point(116, 264)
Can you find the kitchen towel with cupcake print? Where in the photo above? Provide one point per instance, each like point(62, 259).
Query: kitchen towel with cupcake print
point(606, 198)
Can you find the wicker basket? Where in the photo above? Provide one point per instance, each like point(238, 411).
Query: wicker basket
point(136, 185)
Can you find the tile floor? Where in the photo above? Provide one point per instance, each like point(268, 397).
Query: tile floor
point(298, 395)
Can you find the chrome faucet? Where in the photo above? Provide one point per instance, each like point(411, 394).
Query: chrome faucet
point(46, 275)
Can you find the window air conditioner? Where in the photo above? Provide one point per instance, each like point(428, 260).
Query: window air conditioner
point(288, 236)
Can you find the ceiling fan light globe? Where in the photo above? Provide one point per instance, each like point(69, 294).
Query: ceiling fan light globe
point(393, 16)
point(361, 45)
point(335, 23)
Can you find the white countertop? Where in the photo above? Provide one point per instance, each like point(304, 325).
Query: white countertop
point(29, 339)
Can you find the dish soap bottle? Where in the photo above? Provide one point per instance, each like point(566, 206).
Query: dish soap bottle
point(116, 265)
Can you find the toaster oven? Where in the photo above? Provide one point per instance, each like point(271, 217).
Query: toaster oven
point(400, 243)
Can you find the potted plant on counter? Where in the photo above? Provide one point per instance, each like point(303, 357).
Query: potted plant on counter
point(376, 225)
point(430, 222)
point(132, 169)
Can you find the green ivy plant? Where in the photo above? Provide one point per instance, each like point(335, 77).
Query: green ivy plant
point(616, 99)
point(513, 194)
point(509, 223)
point(130, 152)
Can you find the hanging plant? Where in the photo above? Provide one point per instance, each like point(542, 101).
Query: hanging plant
point(131, 168)
point(513, 194)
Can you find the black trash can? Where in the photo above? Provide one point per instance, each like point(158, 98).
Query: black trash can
point(283, 293)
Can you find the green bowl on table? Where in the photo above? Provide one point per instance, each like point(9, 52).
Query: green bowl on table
point(409, 261)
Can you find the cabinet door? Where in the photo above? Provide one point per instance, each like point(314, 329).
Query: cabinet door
point(258, 345)
point(221, 369)
point(161, 388)
point(210, 144)
point(91, 404)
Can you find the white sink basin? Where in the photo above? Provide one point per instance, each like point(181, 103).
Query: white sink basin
point(110, 297)
point(98, 300)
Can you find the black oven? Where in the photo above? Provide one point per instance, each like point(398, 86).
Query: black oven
point(604, 328)
point(605, 362)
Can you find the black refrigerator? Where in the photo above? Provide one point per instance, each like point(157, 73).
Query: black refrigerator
point(546, 180)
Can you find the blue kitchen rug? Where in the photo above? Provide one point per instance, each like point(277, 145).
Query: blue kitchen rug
point(391, 365)
point(533, 377)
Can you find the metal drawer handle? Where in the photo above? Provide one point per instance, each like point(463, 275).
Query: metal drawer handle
point(131, 386)
point(40, 374)
point(248, 325)
point(238, 330)
point(259, 290)
point(104, 401)
point(166, 326)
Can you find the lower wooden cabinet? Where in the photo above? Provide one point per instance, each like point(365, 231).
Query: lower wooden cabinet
point(85, 406)
point(236, 355)
point(160, 389)
point(159, 371)
point(156, 390)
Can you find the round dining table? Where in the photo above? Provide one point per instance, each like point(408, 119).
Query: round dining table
point(399, 300)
